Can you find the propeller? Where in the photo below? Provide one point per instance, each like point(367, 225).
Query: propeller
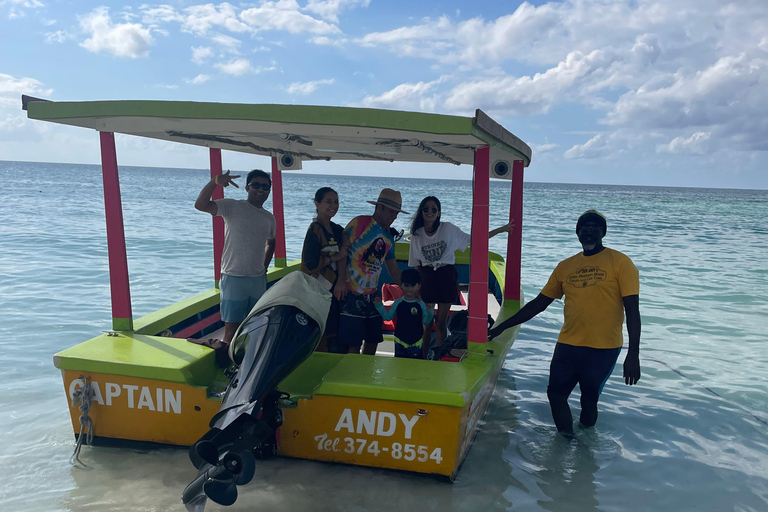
point(219, 482)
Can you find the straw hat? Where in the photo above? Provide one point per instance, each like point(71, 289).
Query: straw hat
point(391, 199)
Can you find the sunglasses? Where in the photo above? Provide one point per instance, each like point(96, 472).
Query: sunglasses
point(427, 209)
point(264, 186)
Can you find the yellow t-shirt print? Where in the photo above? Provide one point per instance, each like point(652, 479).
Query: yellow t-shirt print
point(594, 287)
point(587, 276)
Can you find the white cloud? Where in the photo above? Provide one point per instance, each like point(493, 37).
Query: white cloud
point(547, 147)
point(13, 120)
point(322, 40)
point(196, 19)
point(279, 15)
point(160, 14)
point(609, 145)
point(18, 7)
point(648, 69)
point(230, 43)
point(29, 4)
point(327, 41)
point(56, 37)
point(200, 18)
point(408, 96)
point(238, 67)
point(199, 79)
point(285, 15)
point(10, 85)
point(716, 92)
point(330, 9)
point(306, 88)
point(597, 147)
point(528, 95)
point(425, 40)
point(725, 99)
point(698, 144)
point(200, 54)
point(122, 39)
point(544, 34)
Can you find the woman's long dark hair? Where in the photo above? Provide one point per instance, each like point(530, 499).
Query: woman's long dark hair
point(320, 194)
point(418, 218)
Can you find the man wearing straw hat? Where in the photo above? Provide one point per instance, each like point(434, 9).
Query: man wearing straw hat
point(371, 248)
point(600, 285)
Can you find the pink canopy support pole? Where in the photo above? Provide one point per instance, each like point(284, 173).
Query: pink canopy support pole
point(218, 222)
point(122, 318)
point(277, 206)
point(477, 329)
point(515, 240)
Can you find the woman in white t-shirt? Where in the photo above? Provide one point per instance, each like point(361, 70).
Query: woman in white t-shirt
point(433, 244)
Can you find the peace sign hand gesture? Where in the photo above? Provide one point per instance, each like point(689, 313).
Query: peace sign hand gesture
point(226, 179)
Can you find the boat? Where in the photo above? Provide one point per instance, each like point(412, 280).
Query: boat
point(142, 381)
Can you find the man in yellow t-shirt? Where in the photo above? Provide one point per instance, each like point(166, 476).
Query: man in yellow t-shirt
point(600, 285)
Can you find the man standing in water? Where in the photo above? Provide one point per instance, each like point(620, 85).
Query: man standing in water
point(249, 243)
point(600, 285)
point(371, 247)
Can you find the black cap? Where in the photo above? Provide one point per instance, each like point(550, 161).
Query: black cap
point(593, 216)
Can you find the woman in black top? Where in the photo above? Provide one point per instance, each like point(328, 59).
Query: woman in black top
point(323, 257)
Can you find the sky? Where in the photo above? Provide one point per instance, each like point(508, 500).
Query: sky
point(634, 92)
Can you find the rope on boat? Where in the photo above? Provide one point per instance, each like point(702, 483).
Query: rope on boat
point(430, 151)
point(301, 155)
point(365, 155)
point(82, 396)
point(761, 420)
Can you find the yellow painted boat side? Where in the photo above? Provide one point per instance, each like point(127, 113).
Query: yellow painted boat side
point(137, 409)
point(379, 433)
point(418, 437)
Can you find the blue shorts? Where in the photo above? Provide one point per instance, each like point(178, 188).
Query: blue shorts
point(239, 295)
point(359, 321)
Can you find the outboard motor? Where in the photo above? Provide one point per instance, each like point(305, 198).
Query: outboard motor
point(281, 331)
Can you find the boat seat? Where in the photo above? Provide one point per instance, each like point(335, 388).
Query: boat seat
point(493, 305)
point(386, 348)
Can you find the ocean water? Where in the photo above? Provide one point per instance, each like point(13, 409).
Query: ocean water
point(691, 435)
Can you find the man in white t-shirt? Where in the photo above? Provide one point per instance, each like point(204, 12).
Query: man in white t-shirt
point(249, 243)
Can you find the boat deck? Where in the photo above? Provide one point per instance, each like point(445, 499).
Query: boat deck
point(387, 347)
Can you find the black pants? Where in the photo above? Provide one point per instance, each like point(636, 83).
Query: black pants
point(589, 368)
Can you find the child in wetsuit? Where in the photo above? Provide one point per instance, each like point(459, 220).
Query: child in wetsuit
point(412, 315)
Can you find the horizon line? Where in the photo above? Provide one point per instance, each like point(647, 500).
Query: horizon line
point(303, 172)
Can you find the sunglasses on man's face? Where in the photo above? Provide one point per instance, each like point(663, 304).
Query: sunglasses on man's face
point(427, 209)
point(264, 186)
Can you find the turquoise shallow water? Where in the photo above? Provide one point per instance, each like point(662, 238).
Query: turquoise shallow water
point(692, 435)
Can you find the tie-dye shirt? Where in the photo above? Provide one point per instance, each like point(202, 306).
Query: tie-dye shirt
point(371, 245)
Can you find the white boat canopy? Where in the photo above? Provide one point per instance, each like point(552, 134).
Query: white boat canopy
point(298, 131)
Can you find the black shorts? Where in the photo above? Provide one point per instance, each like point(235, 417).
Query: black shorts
point(439, 286)
point(359, 321)
point(332, 322)
point(586, 366)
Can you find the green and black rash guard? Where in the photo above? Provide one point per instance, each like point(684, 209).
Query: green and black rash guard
point(411, 316)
